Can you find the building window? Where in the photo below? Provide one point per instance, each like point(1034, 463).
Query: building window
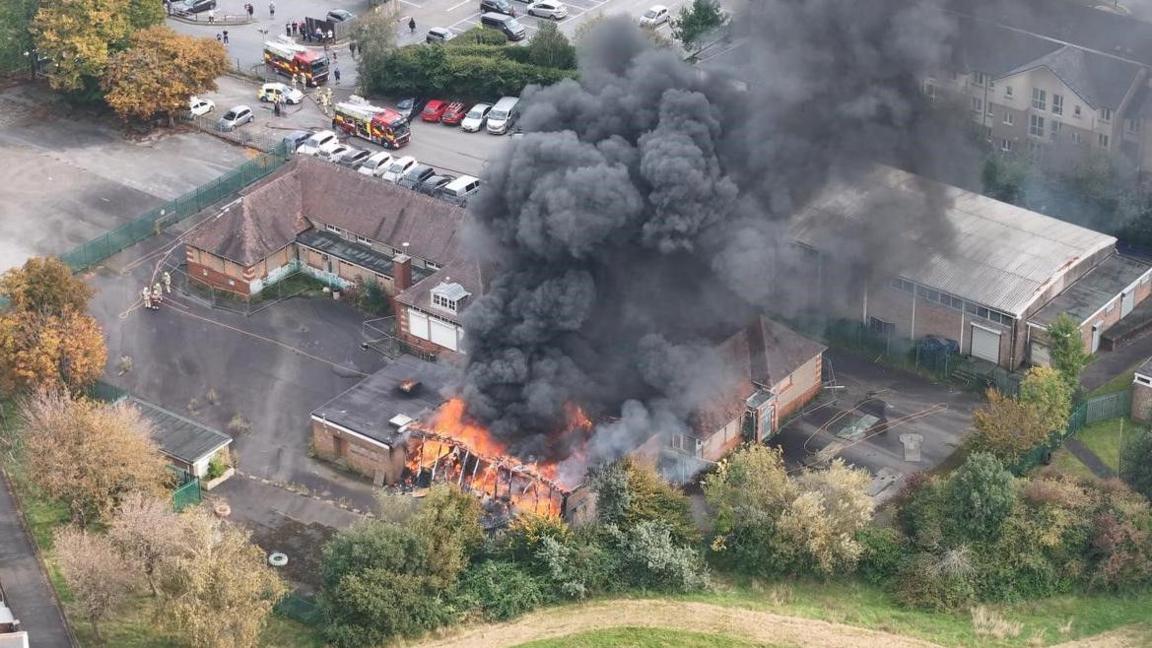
point(1076, 137)
point(1008, 91)
point(1006, 145)
point(1057, 104)
point(334, 229)
point(1035, 150)
point(1132, 125)
point(1076, 111)
point(684, 443)
point(929, 294)
point(930, 89)
point(1039, 99)
point(1007, 118)
point(364, 240)
point(432, 266)
point(977, 104)
point(1036, 125)
point(1054, 128)
point(1103, 140)
point(1105, 114)
point(979, 78)
point(443, 302)
point(906, 286)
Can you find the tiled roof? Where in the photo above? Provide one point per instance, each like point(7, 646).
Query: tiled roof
point(266, 219)
point(1099, 80)
point(465, 273)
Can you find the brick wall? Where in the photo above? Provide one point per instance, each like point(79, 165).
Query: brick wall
point(803, 386)
point(382, 465)
point(1141, 401)
point(227, 281)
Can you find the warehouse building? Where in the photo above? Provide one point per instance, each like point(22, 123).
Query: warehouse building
point(992, 287)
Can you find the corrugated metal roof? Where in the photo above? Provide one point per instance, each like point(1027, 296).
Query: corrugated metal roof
point(1000, 255)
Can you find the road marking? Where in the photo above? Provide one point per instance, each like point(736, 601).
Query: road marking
point(457, 6)
point(412, 4)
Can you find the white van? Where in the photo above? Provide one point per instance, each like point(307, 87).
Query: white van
point(503, 115)
point(459, 190)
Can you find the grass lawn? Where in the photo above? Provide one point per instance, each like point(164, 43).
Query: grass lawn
point(1069, 464)
point(1118, 384)
point(642, 638)
point(1049, 621)
point(1103, 438)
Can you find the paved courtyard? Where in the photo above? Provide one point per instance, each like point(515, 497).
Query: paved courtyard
point(72, 176)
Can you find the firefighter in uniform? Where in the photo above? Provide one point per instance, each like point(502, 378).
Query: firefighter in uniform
point(157, 294)
point(146, 297)
point(167, 279)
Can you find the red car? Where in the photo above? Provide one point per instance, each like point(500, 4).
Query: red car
point(455, 113)
point(434, 110)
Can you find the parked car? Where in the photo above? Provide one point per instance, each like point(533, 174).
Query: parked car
point(235, 117)
point(433, 110)
point(503, 115)
point(340, 15)
point(433, 183)
point(293, 140)
point(505, 24)
point(548, 9)
point(198, 106)
point(354, 158)
point(336, 152)
point(459, 190)
point(938, 345)
point(193, 6)
point(454, 113)
point(474, 120)
point(320, 141)
point(655, 16)
point(438, 35)
point(398, 168)
point(410, 107)
point(281, 91)
point(497, 6)
point(417, 174)
point(376, 164)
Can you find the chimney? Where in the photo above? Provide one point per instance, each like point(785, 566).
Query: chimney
point(401, 272)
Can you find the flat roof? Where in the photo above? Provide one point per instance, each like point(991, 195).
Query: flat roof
point(1090, 293)
point(354, 253)
point(999, 255)
point(178, 437)
point(367, 407)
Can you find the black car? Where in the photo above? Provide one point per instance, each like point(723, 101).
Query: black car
point(498, 6)
point(193, 6)
point(416, 175)
point(410, 107)
point(339, 15)
point(354, 158)
point(432, 185)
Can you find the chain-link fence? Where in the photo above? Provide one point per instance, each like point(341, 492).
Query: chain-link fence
point(294, 284)
point(251, 135)
point(156, 220)
point(1093, 410)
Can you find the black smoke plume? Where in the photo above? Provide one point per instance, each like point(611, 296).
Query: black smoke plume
point(643, 216)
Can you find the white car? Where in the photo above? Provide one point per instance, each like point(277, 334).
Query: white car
point(198, 106)
point(336, 152)
point(281, 91)
point(320, 142)
point(398, 168)
point(474, 120)
point(376, 164)
point(548, 9)
point(655, 16)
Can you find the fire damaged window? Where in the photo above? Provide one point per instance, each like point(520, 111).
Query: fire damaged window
point(685, 443)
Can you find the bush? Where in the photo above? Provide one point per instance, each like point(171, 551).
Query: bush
point(883, 553)
point(943, 583)
point(369, 608)
point(1136, 462)
point(479, 36)
point(579, 567)
point(924, 514)
point(500, 590)
point(653, 560)
point(981, 494)
point(217, 466)
point(371, 298)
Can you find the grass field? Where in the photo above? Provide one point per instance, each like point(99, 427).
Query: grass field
point(643, 638)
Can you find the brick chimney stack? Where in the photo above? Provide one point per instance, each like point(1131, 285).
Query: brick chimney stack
point(401, 272)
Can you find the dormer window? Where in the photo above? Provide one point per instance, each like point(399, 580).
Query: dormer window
point(450, 297)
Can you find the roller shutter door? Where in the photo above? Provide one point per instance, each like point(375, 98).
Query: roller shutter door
point(418, 324)
point(985, 344)
point(443, 334)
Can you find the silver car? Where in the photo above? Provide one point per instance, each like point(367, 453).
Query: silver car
point(235, 117)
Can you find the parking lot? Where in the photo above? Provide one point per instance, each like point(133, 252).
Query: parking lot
point(462, 15)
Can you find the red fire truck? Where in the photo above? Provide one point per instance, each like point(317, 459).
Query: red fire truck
point(288, 58)
point(383, 126)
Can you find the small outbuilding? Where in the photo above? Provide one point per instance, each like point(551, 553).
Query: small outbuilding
point(187, 444)
point(1142, 393)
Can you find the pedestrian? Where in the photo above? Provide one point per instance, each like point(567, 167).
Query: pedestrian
point(225, 36)
point(272, 8)
point(276, 107)
point(331, 36)
point(335, 56)
point(251, 10)
point(412, 24)
point(219, 38)
point(288, 30)
point(319, 34)
point(306, 34)
point(336, 73)
point(211, 15)
point(167, 279)
point(295, 80)
point(352, 48)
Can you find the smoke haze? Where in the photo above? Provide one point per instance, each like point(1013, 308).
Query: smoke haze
point(643, 216)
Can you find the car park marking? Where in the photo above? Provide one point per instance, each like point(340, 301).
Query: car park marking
point(458, 5)
point(412, 4)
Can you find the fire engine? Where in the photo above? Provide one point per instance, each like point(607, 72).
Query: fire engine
point(383, 126)
point(288, 58)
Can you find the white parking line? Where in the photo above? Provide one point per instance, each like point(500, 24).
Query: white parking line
point(412, 4)
point(458, 5)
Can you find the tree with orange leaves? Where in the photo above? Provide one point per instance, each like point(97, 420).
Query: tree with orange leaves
point(47, 340)
point(159, 72)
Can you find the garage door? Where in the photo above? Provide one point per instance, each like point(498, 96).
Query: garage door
point(985, 344)
point(418, 324)
point(443, 334)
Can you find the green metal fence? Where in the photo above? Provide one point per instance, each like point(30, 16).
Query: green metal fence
point(156, 220)
point(1093, 410)
point(187, 494)
point(299, 608)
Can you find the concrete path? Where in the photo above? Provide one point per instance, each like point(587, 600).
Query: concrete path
point(29, 593)
point(1089, 458)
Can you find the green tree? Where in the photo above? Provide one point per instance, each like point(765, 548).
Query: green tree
point(981, 493)
point(16, 36)
point(1007, 427)
point(372, 607)
point(1136, 462)
point(80, 36)
point(1004, 179)
point(628, 494)
point(449, 520)
point(550, 48)
point(143, 14)
point(501, 590)
point(161, 69)
point(375, 37)
point(697, 20)
point(1066, 349)
point(45, 286)
point(1048, 391)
